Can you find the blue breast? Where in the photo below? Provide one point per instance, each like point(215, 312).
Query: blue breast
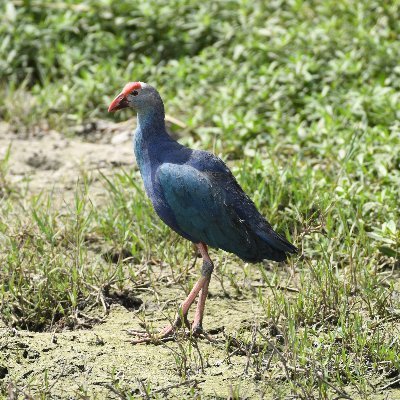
point(152, 149)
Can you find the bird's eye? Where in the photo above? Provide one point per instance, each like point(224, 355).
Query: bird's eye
point(135, 93)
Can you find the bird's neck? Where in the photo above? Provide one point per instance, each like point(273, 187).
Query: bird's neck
point(151, 138)
point(151, 123)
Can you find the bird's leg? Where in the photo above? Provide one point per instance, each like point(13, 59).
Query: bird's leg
point(206, 271)
point(184, 308)
point(182, 314)
point(201, 287)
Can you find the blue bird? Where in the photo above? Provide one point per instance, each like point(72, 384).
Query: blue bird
point(195, 194)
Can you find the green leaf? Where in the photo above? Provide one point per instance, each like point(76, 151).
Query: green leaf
point(387, 251)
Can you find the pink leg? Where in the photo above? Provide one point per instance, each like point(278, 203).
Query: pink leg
point(208, 266)
point(184, 308)
point(197, 326)
point(201, 287)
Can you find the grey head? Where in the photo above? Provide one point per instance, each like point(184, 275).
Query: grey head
point(137, 95)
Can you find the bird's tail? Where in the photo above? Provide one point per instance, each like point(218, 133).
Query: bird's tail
point(274, 246)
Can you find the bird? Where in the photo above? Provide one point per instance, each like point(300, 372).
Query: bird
point(195, 194)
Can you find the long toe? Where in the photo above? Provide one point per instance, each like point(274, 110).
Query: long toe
point(164, 335)
point(136, 332)
point(156, 339)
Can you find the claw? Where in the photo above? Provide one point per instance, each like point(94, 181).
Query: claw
point(167, 334)
point(164, 335)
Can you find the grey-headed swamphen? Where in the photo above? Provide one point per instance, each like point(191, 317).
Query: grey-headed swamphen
point(195, 194)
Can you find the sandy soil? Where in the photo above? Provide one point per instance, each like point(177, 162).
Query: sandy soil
point(50, 161)
point(96, 360)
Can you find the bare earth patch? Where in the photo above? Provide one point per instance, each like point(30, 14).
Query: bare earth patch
point(51, 162)
point(101, 359)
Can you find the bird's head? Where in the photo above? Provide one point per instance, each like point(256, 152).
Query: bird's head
point(137, 95)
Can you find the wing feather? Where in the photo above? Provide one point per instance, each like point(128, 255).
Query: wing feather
point(199, 206)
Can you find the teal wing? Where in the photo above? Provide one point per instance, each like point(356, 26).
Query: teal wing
point(200, 210)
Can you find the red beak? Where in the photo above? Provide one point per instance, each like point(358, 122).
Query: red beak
point(118, 103)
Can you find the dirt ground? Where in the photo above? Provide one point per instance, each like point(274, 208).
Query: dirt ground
point(92, 361)
point(52, 162)
point(100, 362)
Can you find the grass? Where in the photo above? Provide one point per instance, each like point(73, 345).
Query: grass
point(300, 97)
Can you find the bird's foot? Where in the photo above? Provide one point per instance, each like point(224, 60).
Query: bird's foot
point(196, 329)
point(165, 335)
point(198, 332)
